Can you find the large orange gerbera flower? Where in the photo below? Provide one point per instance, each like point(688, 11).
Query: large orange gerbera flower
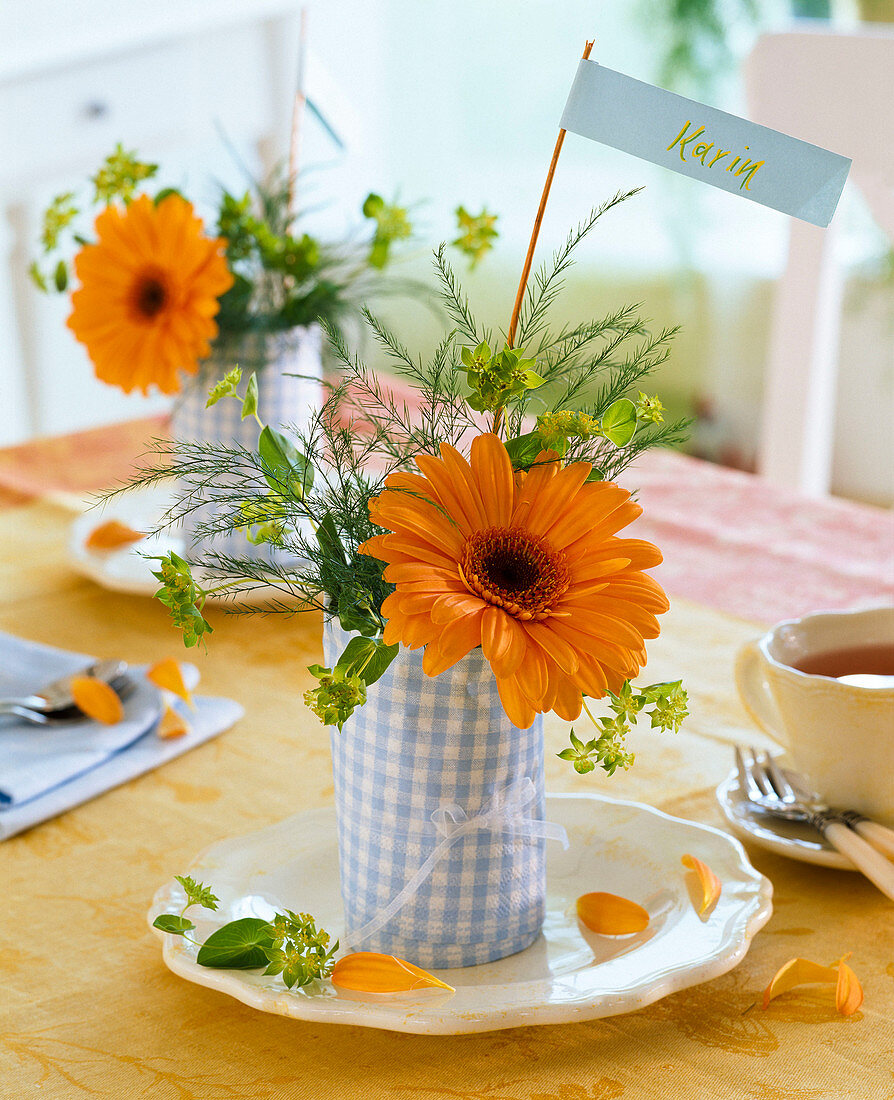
point(528, 566)
point(149, 290)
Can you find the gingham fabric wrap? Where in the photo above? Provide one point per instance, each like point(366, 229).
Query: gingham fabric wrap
point(418, 744)
point(282, 400)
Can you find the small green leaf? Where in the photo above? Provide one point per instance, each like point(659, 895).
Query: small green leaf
point(330, 543)
point(366, 658)
point(250, 401)
point(373, 205)
point(166, 193)
point(173, 923)
point(239, 945)
point(524, 449)
point(619, 422)
point(285, 467)
point(567, 754)
point(60, 276)
point(533, 380)
point(37, 277)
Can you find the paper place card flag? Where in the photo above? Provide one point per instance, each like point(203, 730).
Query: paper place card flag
point(732, 153)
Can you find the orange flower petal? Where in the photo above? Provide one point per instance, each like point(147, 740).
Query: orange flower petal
point(848, 991)
point(709, 882)
point(610, 915)
point(800, 972)
point(166, 675)
point(97, 700)
point(369, 972)
point(111, 535)
point(172, 724)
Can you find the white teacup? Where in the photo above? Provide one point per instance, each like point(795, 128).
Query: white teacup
point(839, 735)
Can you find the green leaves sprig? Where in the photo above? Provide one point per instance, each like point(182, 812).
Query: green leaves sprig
point(556, 431)
point(666, 705)
point(392, 224)
point(228, 386)
point(290, 944)
point(342, 689)
point(119, 174)
point(183, 597)
point(116, 180)
point(477, 233)
point(497, 378)
point(606, 750)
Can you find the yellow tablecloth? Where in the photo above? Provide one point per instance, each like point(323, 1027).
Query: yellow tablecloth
point(91, 1010)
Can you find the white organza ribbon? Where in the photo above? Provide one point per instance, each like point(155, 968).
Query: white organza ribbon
point(505, 812)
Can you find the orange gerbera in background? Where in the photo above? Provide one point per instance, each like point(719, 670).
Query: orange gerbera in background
point(528, 566)
point(148, 295)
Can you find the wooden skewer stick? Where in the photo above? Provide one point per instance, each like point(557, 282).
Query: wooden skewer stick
point(535, 233)
point(529, 259)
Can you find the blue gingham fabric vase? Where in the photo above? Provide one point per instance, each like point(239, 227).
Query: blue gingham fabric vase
point(440, 803)
point(282, 400)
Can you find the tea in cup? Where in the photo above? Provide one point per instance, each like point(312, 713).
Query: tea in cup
point(823, 687)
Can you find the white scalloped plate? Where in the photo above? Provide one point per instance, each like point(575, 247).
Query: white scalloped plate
point(127, 569)
point(568, 974)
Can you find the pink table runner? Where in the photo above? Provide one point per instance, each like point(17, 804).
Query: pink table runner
point(730, 540)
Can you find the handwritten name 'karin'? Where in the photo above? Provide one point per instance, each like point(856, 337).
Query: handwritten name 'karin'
point(746, 167)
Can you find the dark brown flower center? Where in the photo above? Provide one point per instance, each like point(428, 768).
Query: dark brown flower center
point(150, 296)
point(515, 570)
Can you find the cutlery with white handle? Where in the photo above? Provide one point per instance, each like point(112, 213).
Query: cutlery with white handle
point(766, 787)
point(879, 836)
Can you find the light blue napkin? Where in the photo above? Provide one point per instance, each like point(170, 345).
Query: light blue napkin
point(44, 772)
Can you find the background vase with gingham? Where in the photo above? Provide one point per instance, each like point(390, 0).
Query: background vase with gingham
point(289, 370)
point(422, 758)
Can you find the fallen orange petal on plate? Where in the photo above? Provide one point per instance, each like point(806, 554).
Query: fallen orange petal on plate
point(111, 535)
point(166, 674)
point(96, 699)
point(171, 724)
point(798, 972)
point(848, 991)
point(709, 882)
point(369, 972)
point(610, 915)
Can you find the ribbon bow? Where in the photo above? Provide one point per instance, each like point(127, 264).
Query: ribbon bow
point(505, 812)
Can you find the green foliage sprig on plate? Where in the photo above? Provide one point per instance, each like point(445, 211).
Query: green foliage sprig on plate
point(574, 392)
point(290, 944)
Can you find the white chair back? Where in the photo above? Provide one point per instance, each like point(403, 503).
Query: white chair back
point(834, 90)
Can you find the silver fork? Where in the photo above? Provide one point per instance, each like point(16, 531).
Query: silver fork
point(54, 705)
point(791, 789)
point(756, 779)
point(57, 695)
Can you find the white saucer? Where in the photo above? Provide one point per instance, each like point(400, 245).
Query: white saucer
point(787, 838)
point(568, 974)
point(127, 569)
